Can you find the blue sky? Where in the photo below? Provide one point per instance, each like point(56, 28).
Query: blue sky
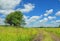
point(42, 5)
point(36, 12)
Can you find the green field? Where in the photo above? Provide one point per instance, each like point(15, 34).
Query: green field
point(27, 34)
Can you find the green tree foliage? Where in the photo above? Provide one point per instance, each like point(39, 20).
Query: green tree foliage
point(59, 25)
point(15, 19)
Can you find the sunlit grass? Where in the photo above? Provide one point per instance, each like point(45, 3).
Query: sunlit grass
point(47, 37)
point(17, 34)
point(26, 34)
point(55, 31)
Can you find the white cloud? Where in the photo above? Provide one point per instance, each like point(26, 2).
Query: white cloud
point(48, 12)
point(9, 4)
point(44, 20)
point(31, 19)
point(27, 7)
point(45, 14)
point(40, 23)
point(26, 19)
point(34, 18)
point(58, 21)
point(51, 17)
point(58, 13)
point(2, 21)
point(6, 12)
point(45, 24)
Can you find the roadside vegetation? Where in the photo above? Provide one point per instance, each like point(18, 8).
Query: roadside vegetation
point(54, 31)
point(17, 34)
point(11, 33)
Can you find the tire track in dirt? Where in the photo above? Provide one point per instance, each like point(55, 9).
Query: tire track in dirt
point(55, 37)
point(39, 36)
point(42, 36)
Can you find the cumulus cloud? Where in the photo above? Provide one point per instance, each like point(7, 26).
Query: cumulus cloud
point(48, 12)
point(43, 20)
point(26, 18)
point(34, 18)
point(51, 17)
point(2, 21)
point(27, 7)
point(40, 23)
point(6, 12)
point(9, 4)
point(58, 13)
point(46, 24)
point(36, 21)
point(30, 20)
point(58, 21)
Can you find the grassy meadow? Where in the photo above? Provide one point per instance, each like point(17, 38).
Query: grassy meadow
point(26, 34)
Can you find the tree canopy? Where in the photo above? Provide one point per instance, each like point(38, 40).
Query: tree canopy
point(15, 19)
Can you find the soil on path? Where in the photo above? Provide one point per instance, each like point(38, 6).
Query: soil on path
point(55, 37)
point(40, 36)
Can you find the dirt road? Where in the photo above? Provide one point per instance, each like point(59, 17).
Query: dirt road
point(46, 36)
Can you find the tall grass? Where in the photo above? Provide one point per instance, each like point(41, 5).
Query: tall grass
point(55, 31)
point(17, 34)
point(11, 33)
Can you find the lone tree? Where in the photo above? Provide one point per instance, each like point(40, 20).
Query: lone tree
point(59, 25)
point(15, 19)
